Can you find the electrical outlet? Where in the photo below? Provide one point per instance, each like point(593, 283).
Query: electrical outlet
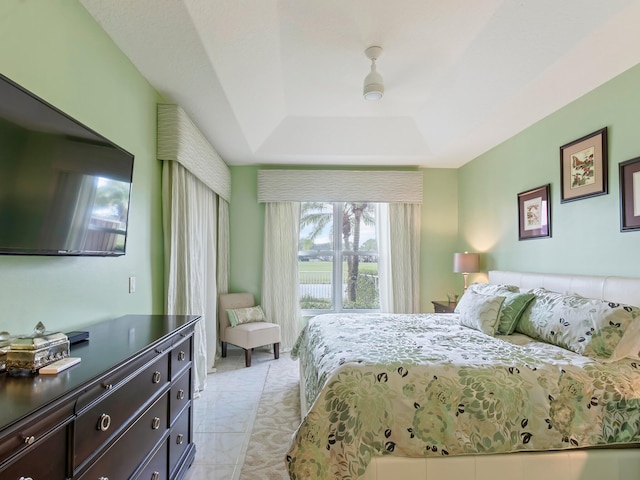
point(132, 284)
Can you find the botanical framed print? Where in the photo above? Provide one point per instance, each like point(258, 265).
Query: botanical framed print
point(630, 195)
point(584, 167)
point(534, 213)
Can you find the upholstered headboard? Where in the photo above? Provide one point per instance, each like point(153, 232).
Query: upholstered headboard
point(614, 289)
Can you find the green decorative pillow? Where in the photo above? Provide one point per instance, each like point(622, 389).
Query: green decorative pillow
point(480, 312)
point(238, 316)
point(512, 308)
point(586, 326)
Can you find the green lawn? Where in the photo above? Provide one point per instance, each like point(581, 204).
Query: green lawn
point(326, 267)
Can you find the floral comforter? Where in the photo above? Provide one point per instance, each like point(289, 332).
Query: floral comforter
point(420, 385)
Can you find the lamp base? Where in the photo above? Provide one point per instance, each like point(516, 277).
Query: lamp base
point(465, 275)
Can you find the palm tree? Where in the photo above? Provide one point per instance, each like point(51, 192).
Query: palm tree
point(113, 195)
point(316, 215)
point(352, 217)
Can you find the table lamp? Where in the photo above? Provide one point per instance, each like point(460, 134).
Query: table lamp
point(466, 263)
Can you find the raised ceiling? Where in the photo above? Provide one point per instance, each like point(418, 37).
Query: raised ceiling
point(280, 81)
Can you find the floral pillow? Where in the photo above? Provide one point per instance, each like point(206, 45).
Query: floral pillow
point(513, 306)
point(586, 326)
point(479, 311)
point(238, 316)
point(629, 346)
point(491, 289)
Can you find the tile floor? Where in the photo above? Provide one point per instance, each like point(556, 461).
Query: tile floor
point(224, 415)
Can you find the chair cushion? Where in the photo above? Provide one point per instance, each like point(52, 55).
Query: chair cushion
point(254, 334)
point(238, 316)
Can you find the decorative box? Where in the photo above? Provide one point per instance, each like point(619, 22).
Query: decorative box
point(5, 341)
point(27, 354)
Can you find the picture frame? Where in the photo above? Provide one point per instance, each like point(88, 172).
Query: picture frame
point(629, 195)
point(584, 167)
point(534, 213)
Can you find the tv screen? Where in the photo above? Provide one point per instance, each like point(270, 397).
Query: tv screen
point(64, 189)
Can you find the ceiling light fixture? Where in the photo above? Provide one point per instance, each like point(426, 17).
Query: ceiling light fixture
point(373, 83)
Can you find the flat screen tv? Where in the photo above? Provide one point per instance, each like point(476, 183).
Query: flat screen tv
point(64, 189)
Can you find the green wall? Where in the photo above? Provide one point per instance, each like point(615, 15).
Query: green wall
point(246, 232)
point(586, 237)
point(55, 49)
point(438, 233)
point(439, 237)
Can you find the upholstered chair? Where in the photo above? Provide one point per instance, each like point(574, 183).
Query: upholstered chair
point(245, 335)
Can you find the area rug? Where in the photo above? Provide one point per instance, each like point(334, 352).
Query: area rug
point(277, 419)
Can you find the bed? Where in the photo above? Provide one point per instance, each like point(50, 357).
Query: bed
point(424, 397)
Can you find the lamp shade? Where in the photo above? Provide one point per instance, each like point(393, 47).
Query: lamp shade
point(466, 262)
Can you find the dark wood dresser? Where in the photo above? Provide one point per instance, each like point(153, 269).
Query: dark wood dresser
point(124, 412)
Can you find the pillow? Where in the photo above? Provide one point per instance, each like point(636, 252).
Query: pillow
point(513, 306)
point(480, 312)
point(492, 289)
point(629, 346)
point(238, 316)
point(512, 309)
point(586, 326)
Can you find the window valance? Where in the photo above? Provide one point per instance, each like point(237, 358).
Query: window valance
point(180, 140)
point(339, 186)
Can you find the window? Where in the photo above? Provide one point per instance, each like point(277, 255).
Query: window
point(338, 257)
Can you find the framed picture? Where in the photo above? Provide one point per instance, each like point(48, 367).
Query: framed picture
point(584, 166)
point(630, 195)
point(534, 213)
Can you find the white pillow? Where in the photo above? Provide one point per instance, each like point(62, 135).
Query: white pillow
point(480, 312)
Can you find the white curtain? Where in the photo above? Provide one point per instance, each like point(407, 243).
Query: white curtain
point(223, 246)
point(223, 259)
point(385, 286)
point(190, 223)
point(280, 286)
point(398, 231)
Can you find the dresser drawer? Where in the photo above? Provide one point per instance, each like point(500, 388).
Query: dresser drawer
point(46, 459)
point(29, 435)
point(179, 439)
point(181, 357)
point(101, 422)
point(180, 395)
point(119, 376)
point(156, 469)
point(125, 455)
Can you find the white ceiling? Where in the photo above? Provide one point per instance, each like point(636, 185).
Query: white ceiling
point(280, 81)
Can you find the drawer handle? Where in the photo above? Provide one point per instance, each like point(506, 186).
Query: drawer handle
point(26, 478)
point(181, 356)
point(155, 475)
point(103, 478)
point(156, 377)
point(107, 386)
point(155, 424)
point(104, 423)
point(180, 394)
point(180, 439)
point(29, 440)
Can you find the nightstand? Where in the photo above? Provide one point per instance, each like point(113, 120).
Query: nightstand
point(443, 306)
